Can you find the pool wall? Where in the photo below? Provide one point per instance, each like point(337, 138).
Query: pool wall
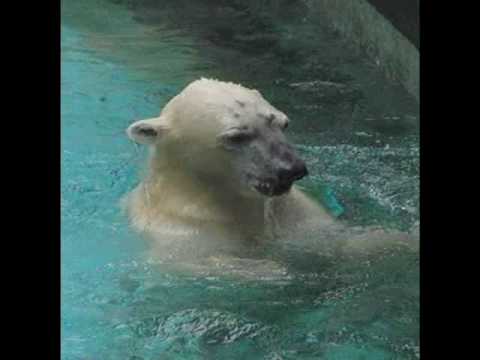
point(362, 24)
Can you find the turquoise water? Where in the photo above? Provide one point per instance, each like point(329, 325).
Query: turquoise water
point(358, 133)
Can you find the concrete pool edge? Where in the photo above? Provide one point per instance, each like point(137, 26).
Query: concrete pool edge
point(361, 23)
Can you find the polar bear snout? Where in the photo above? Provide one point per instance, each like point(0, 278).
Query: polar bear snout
point(286, 176)
point(297, 171)
point(270, 163)
point(281, 179)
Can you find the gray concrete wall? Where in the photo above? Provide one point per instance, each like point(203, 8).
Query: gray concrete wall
point(362, 24)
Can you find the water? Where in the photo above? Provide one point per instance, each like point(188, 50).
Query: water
point(122, 60)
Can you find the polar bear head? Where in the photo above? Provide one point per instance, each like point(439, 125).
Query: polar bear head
point(224, 134)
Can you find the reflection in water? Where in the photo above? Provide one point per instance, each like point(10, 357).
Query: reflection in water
point(122, 61)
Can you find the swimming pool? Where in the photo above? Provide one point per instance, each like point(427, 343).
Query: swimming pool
point(358, 133)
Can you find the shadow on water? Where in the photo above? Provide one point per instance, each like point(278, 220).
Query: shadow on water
point(123, 60)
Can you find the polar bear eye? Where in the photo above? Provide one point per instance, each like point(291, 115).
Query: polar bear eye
point(235, 138)
point(239, 138)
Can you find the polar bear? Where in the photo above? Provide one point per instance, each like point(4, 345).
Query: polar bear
point(220, 168)
point(220, 182)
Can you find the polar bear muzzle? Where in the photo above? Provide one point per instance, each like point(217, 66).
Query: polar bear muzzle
point(282, 180)
point(270, 164)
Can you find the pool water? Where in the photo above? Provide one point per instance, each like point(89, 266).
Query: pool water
point(358, 132)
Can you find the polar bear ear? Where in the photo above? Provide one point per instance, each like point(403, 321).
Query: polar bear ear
point(148, 131)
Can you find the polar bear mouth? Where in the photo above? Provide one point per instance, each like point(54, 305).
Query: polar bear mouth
point(269, 189)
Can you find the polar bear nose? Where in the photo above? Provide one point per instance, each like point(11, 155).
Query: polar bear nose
point(297, 171)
